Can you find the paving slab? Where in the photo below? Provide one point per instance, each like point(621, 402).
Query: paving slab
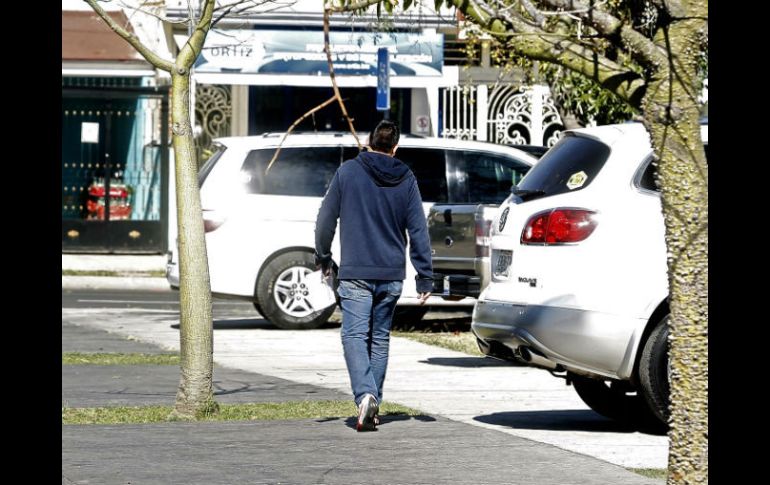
point(406, 450)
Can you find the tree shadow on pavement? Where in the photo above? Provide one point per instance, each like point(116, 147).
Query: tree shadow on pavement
point(223, 389)
point(564, 420)
point(468, 362)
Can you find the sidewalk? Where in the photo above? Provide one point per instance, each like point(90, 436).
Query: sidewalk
point(404, 450)
point(140, 385)
point(134, 270)
point(113, 262)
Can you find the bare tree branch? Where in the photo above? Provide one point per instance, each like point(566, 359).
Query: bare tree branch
point(141, 8)
point(607, 24)
point(253, 4)
point(328, 50)
point(194, 44)
point(353, 7)
point(488, 10)
point(132, 39)
point(243, 6)
point(535, 13)
point(278, 150)
point(540, 45)
point(190, 14)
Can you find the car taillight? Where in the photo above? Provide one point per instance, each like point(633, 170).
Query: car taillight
point(212, 219)
point(482, 237)
point(559, 226)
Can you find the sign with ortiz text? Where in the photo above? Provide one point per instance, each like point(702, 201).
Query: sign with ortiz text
point(302, 52)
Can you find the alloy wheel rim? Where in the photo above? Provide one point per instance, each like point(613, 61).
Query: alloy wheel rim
point(291, 292)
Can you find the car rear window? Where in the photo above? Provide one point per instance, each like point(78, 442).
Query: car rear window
point(428, 166)
point(647, 180)
point(217, 151)
point(649, 174)
point(572, 164)
point(297, 171)
point(489, 176)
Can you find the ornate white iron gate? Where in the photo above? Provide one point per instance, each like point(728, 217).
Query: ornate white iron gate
point(214, 114)
point(506, 114)
point(459, 118)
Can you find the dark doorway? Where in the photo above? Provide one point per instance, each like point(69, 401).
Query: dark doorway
point(275, 108)
point(114, 170)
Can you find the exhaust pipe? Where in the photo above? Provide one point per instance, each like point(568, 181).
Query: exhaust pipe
point(535, 359)
point(496, 350)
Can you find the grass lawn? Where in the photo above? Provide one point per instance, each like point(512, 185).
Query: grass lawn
point(78, 358)
point(228, 412)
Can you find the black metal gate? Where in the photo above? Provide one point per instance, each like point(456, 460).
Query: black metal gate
point(114, 169)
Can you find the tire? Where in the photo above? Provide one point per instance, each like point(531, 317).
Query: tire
point(258, 308)
point(283, 275)
point(653, 371)
point(406, 315)
point(616, 400)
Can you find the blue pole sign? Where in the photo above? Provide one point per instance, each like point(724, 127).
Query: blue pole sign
point(383, 79)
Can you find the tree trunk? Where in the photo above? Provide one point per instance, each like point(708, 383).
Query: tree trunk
point(195, 396)
point(671, 116)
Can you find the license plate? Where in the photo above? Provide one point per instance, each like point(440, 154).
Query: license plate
point(503, 263)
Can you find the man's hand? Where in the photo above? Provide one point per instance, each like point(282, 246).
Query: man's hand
point(325, 264)
point(423, 297)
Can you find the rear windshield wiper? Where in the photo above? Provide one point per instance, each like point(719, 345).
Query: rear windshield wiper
point(524, 194)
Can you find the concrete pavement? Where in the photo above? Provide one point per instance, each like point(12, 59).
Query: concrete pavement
point(404, 450)
point(515, 401)
point(113, 262)
point(133, 270)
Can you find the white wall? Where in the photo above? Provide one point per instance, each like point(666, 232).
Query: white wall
point(420, 108)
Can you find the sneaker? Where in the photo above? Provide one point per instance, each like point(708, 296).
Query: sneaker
point(376, 419)
point(367, 410)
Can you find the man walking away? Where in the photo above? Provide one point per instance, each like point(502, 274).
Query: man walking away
point(376, 198)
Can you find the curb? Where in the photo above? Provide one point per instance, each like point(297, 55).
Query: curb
point(114, 283)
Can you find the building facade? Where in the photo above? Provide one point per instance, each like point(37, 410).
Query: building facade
point(260, 71)
point(115, 160)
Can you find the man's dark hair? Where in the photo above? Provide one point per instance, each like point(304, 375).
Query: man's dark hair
point(384, 136)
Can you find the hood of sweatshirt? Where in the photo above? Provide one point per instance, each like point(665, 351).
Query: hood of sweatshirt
point(386, 171)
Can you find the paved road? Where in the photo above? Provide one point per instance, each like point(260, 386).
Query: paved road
point(149, 300)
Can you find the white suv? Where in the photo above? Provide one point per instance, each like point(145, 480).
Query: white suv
point(579, 280)
point(260, 224)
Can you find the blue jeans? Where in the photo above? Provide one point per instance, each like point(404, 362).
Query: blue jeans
point(367, 312)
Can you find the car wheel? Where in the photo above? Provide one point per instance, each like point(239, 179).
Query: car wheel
point(653, 371)
point(282, 294)
point(258, 308)
point(614, 399)
point(405, 315)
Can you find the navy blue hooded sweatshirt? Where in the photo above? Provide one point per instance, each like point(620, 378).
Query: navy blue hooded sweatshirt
point(376, 199)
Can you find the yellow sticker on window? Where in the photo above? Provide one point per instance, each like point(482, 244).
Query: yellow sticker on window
point(577, 180)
